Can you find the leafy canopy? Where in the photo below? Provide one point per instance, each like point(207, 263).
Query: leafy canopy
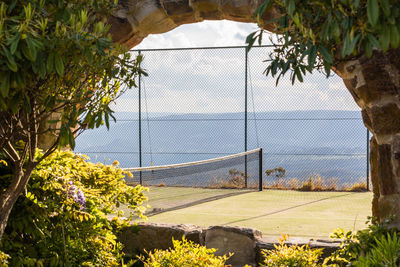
point(56, 56)
point(317, 34)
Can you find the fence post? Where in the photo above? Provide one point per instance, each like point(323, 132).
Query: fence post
point(140, 125)
point(245, 118)
point(367, 160)
point(260, 170)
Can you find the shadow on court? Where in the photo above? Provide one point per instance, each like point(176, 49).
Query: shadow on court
point(197, 202)
point(289, 208)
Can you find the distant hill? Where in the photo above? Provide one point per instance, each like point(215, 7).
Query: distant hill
point(331, 143)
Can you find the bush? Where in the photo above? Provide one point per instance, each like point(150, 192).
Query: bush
point(62, 216)
point(3, 259)
point(290, 256)
point(185, 253)
point(358, 187)
point(386, 252)
point(366, 246)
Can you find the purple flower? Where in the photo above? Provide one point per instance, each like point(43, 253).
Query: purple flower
point(77, 195)
point(80, 198)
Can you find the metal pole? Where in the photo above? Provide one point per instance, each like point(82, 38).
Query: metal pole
point(367, 160)
point(260, 170)
point(245, 118)
point(140, 126)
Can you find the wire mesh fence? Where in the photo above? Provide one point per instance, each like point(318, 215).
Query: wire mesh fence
point(202, 103)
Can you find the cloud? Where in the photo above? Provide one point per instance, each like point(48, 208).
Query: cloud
point(212, 80)
point(206, 33)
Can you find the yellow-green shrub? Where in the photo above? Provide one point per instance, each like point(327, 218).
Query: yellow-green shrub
point(185, 253)
point(377, 245)
point(3, 259)
point(290, 256)
point(61, 219)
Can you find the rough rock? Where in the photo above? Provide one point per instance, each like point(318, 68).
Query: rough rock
point(133, 20)
point(157, 236)
point(240, 241)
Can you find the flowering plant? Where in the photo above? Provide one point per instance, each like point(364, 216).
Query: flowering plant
point(65, 215)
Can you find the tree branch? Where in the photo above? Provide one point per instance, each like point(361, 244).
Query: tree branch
point(12, 152)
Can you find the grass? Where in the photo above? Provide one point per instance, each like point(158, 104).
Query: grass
point(274, 212)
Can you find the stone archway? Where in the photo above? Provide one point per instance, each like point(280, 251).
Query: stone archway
point(374, 83)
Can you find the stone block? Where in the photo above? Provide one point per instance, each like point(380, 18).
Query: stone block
point(157, 236)
point(240, 241)
point(389, 206)
point(374, 166)
point(385, 119)
point(387, 182)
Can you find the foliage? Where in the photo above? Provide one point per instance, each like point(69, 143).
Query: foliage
point(279, 172)
point(365, 245)
point(3, 259)
point(317, 34)
point(59, 72)
point(358, 187)
point(235, 179)
point(57, 56)
point(386, 252)
point(185, 253)
point(290, 256)
point(64, 215)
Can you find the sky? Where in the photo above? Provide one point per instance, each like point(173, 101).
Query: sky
point(212, 81)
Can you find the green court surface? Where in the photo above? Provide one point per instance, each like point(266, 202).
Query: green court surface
point(273, 212)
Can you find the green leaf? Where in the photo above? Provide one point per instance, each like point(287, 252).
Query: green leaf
point(32, 48)
point(5, 83)
point(394, 36)
point(373, 12)
point(346, 44)
point(20, 79)
point(63, 137)
point(374, 42)
point(50, 63)
point(327, 56)
point(71, 140)
point(384, 39)
point(356, 3)
point(27, 103)
point(385, 7)
point(298, 74)
point(10, 60)
point(58, 63)
point(291, 6)
point(42, 69)
point(107, 120)
point(312, 56)
point(353, 44)
point(327, 68)
point(14, 44)
point(250, 39)
point(26, 51)
point(11, 7)
point(14, 103)
point(368, 49)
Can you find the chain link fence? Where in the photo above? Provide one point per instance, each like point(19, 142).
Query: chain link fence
point(202, 103)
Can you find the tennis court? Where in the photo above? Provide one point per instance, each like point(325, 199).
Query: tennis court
point(274, 212)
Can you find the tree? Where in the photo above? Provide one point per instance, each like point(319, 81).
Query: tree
point(279, 172)
point(359, 40)
point(59, 72)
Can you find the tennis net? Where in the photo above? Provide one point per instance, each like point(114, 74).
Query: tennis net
point(242, 170)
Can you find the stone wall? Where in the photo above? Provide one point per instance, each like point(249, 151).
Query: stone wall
point(245, 243)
